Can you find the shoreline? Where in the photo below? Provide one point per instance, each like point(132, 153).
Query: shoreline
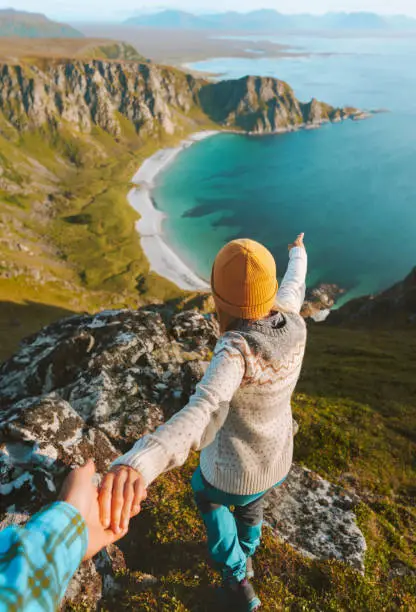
point(162, 258)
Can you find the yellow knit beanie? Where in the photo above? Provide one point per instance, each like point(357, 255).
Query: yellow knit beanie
point(243, 279)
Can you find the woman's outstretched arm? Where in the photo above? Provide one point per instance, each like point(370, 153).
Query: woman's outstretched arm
point(291, 294)
point(124, 487)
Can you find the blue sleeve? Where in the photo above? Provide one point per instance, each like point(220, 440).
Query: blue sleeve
point(38, 560)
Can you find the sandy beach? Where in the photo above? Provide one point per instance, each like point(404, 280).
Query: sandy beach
point(163, 260)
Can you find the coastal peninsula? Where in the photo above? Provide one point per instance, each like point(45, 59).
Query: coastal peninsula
point(75, 132)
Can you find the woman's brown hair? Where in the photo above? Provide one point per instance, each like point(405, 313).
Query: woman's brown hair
point(228, 322)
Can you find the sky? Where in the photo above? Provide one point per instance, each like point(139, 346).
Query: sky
point(101, 10)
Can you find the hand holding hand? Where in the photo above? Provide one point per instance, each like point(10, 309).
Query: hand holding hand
point(80, 491)
point(298, 242)
point(121, 494)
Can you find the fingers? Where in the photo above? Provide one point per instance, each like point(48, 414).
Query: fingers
point(298, 242)
point(99, 538)
point(105, 497)
point(140, 495)
point(120, 497)
point(128, 502)
point(117, 501)
point(110, 537)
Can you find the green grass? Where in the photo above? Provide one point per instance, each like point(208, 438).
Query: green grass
point(349, 405)
point(70, 207)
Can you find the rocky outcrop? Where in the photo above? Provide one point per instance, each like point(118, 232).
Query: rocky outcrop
point(84, 94)
point(262, 105)
point(317, 518)
point(320, 300)
point(87, 94)
point(391, 308)
point(89, 386)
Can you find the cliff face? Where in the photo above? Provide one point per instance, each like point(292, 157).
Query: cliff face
point(84, 94)
point(262, 105)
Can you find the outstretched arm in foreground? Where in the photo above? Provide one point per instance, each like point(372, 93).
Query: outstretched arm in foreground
point(124, 487)
point(38, 560)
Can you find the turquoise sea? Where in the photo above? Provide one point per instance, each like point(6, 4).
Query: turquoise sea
point(350, 187)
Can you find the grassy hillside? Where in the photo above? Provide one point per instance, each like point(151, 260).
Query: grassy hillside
point(67, 233)
point(355, 406)
point(69, 48)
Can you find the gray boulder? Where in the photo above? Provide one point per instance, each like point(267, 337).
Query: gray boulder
point(89, 386)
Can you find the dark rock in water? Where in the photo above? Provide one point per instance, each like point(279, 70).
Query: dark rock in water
point(89, 386)
point(320, 299)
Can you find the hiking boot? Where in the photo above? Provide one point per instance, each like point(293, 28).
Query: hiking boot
point(240, 596)
point(249, 568)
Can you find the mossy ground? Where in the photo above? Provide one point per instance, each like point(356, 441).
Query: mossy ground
point(358, 428)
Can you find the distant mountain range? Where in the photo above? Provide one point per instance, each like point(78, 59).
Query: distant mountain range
point(33, 25)
point(268, 20)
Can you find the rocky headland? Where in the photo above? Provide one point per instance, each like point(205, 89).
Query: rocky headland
point(95, 93)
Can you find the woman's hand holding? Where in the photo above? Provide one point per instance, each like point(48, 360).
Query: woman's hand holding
point(121, 494)
point(81, 492)
point(298, 242)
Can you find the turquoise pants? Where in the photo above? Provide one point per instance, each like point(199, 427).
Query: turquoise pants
point(232, 536)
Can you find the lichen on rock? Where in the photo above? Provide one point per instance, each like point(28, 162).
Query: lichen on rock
point(89, 386)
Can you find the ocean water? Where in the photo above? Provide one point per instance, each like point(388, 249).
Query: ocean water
point(350, 187)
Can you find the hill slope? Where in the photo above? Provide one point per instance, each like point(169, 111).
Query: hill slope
point(90, 386)
point(33, 25)
point(393, 308)
point(72, 134)
point(27, 50)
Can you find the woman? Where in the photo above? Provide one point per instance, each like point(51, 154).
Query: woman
point(240, 415)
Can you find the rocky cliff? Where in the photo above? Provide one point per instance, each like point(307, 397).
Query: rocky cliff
point(96, 93)
point(81, 95)
point(89, 387)
point(263, 105)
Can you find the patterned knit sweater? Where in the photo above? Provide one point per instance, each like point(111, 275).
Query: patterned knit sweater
point(240, 415)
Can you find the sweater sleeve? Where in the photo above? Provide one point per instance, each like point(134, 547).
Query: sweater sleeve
point(169, 446)
point(291, 293)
